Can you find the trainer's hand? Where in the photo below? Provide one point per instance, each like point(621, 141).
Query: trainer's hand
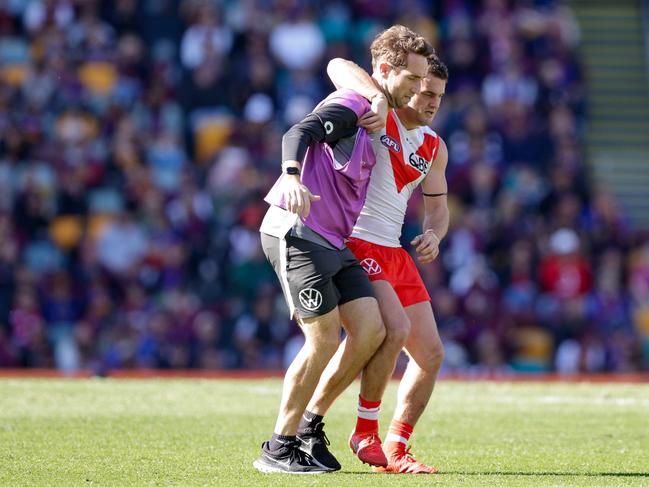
point(374, 120)
point(427, 246)
point(297, 196)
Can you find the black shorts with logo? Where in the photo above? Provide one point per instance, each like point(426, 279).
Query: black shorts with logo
point(315, 279)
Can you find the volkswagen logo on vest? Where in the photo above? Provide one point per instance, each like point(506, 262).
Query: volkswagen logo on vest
point(390, 143)
point(310, 298)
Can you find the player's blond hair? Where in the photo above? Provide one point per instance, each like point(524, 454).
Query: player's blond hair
point(394, 44)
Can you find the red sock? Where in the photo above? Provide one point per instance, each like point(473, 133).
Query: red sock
point(398, 435)
point(368, 415)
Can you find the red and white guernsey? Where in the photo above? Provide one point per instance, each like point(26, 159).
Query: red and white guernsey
point(403, 158)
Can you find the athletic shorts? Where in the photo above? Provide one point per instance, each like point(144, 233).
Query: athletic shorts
point(315, 279)
point(392, 264)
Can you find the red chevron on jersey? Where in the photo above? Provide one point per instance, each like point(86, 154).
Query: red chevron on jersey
point(403, 173)
point(428, 150)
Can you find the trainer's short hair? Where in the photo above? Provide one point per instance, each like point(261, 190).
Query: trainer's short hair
point(394, 44)
point(437, 68)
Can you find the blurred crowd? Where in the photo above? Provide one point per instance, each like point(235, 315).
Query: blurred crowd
point(138, 138)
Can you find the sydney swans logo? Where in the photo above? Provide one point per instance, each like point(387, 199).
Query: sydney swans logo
point(310, 298)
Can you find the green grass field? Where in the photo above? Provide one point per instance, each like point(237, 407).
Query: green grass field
point(208, 432)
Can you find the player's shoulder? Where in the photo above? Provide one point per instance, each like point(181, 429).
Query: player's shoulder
point(427, 134)
point(425, 129)
point(433, 138)
point(441, 150)
point(349, 99)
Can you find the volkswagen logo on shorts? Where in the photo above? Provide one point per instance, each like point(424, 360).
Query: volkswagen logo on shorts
point(371, 266)
point(310, 298)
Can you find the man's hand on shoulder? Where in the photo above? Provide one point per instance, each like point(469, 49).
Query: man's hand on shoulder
point(375, 119)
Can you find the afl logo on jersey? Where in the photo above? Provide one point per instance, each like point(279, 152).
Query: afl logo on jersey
point(417, 162)
point(390, 143)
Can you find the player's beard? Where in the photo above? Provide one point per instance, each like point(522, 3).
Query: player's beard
point(423, 119)
point(404, 99)
point(391, 100)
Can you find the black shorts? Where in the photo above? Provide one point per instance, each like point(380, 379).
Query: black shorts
point(315, 279)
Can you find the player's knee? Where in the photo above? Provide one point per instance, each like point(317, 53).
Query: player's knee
point(374, 333)
point(438, 353)
point(435, 357)
point(397, 333)
point(323, 342)
point(327, 345)
point(371, 332)
point(379, 333)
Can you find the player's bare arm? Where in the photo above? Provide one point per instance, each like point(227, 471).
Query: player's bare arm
point(347, 74)
point(436, 215)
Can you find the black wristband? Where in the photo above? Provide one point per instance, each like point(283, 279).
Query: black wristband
point(292, 170)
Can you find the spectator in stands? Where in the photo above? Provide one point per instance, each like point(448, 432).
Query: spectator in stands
point(137, 138)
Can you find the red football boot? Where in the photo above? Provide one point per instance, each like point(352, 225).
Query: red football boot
point(402, 461)
point(367, 447)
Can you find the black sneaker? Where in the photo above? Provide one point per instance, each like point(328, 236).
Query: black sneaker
point(314, 441)
point(288, 459)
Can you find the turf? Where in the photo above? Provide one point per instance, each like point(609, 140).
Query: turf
point(208, 432)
